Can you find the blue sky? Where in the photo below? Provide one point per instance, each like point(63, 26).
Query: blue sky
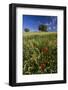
point(32, 22)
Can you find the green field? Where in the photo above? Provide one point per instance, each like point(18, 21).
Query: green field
point(39, 53)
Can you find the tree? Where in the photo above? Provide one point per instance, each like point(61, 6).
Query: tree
point(43, 27)
point(26, 30)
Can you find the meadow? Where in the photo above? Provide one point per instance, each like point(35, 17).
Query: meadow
point(39, 53)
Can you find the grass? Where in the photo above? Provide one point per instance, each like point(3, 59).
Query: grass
point(39, 53)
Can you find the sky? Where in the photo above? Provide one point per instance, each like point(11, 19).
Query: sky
point(32, 22)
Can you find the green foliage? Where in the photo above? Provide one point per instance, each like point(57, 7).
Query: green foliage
point(26, 30)
point(40, 53)
point(43, 27)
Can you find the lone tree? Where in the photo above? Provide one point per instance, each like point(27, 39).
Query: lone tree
point(43, 28)
point(26, 30)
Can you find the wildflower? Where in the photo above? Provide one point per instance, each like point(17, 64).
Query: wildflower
point(42, 66)
point(45, 50)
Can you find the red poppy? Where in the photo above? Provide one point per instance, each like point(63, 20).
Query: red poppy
point(44, 50)
point(42, 66)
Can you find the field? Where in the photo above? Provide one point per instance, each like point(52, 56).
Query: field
point(39, 53)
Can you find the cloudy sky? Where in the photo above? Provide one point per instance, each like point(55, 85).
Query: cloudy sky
point(32, 22)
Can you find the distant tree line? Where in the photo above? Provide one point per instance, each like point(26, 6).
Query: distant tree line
point(41, 27)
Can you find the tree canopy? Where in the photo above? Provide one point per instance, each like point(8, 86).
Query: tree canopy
point(43, 27)
point(26, 30)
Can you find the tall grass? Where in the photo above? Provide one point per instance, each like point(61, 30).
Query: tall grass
point(39, 53)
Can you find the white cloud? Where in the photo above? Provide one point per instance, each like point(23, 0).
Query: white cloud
point(49, 28)
point(54, 27)
point(47, 24)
